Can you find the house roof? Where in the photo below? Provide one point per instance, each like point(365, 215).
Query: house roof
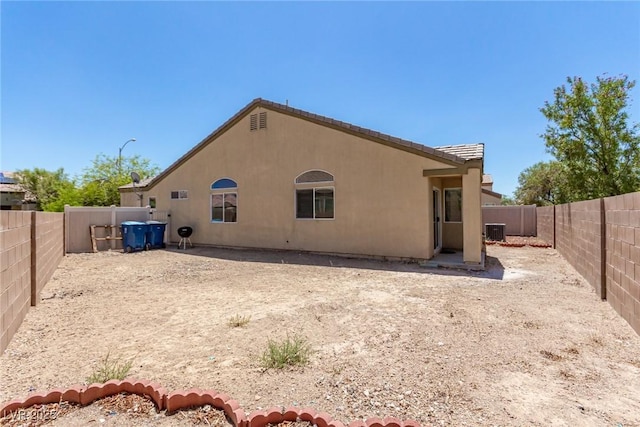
point(364, 132)
point(11, 188)
point(464, 151)
point(454, 155)
point(491, 193)
point(7, 178)
point(142, 183)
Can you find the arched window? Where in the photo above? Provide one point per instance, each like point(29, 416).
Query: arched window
point(224, 183)
point(314, 176)
point(315, 195)
point(224, 200)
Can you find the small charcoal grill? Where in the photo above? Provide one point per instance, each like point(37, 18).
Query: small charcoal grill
point(185, 234)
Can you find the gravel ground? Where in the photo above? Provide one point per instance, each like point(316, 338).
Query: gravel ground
point(526, 342)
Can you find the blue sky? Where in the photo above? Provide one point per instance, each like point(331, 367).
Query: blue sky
point(81, 78)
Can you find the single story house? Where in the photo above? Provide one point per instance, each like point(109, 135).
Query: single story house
point(277, 177)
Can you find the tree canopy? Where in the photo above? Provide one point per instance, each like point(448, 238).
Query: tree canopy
point(99, 183)
point(591, 137)
point(43, 185)
point(507, 201)
point(96, 186)
point(542, 184)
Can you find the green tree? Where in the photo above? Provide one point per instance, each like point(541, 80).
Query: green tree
point(542, 184)
point(590, 135)
point(68, 194)
point(507, 201)
point(45, 186)
point(100, 182)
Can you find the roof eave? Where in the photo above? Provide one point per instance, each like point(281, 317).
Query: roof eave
point(384, 139)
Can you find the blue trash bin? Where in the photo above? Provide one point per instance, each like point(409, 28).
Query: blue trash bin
point(155, 234)
point(134, 236)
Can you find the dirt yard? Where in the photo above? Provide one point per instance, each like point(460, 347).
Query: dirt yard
point(525, 343)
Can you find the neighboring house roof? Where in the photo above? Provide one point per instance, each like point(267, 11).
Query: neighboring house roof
point(7, 178)
point(142, 183)
point(455, 155)
point(11, 188)
point(491, 193)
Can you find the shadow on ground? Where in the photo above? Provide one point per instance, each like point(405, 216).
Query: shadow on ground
point(494, 268)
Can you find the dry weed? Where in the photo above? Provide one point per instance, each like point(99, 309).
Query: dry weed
point(572, 350)
point(530, 325)
point(596, 339)
point(238, 321)
point(567, 375)
point(551, 356)
point(110, 369)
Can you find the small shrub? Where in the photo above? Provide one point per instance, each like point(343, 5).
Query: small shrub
point(238, 321)
point(292, 351)
point(110, 369)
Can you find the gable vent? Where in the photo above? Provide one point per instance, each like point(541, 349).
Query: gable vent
point(253, 122)
point(263, 120)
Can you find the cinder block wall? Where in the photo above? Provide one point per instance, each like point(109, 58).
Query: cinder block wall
point(607, 255)
point(49, 234)
point(579, 240)
point(623, 256)
point(15, 272)
point(544, 226)
point(31, 247)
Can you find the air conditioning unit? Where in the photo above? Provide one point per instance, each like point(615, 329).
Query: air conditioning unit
point(495, 232)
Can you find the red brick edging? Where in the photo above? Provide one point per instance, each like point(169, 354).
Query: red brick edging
point(183, 399)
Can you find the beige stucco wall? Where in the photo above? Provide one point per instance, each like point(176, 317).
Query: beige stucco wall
point(131, 199)
point(382, 201)
point(472, 216)
point(490, 200)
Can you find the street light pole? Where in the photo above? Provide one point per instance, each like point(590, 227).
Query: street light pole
point(120, 155)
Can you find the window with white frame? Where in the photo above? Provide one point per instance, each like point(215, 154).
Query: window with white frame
point(179, 195)
point(315, 195)
point(453, 205)
point(152, 202)
point(224, 201)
